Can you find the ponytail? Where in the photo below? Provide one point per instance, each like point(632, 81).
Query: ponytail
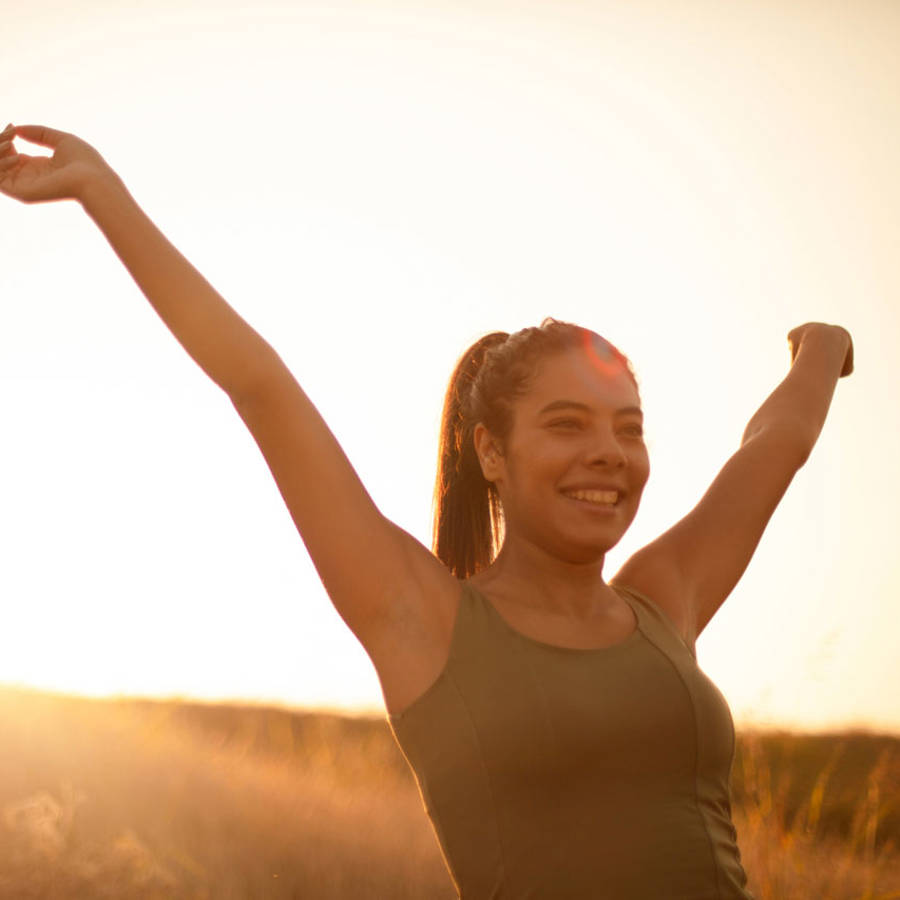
point(467, 513)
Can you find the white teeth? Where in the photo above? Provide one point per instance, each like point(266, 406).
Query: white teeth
point(607, 497)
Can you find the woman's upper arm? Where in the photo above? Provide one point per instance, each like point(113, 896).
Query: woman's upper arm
point(375, 573)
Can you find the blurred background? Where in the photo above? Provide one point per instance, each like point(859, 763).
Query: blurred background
point(373, 186)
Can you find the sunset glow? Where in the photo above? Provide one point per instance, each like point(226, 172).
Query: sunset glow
point(374, 186)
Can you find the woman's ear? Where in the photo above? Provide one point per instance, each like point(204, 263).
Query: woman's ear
point(487, 449)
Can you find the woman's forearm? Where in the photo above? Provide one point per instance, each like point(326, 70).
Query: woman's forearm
point(800, 403)
point(216, 337)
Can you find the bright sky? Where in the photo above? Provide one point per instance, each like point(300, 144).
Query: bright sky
point(373, 186)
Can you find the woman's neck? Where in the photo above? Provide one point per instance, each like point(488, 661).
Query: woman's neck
point(536, 578)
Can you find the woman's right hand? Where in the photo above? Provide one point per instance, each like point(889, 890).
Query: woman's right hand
point(67, 175)
point(836, 332)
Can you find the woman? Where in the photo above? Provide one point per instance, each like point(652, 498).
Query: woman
point(565, 742)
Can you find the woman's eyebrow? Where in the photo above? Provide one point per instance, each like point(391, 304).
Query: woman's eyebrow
point(583, 407)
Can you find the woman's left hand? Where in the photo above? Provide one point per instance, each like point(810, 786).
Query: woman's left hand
point(797, 335)
point(66, 175)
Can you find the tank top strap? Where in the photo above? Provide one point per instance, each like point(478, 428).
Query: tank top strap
point(476, 622)
point(652, 620)
point(474, 609)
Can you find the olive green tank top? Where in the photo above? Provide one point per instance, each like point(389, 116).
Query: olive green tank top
point(551, 772)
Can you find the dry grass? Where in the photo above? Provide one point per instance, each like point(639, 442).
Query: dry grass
point(137, 800)
point(819, 817)
point(127, 800)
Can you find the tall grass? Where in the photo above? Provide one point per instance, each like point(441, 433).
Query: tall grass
point(138, 800)
point(129, 800)
point(819, 817)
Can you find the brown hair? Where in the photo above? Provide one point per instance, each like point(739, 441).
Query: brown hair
point(468, 517)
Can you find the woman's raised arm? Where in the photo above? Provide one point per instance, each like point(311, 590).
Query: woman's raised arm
point(377, 576)
point(695, 565)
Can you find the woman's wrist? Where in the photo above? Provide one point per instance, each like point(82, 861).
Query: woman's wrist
point(99, 190)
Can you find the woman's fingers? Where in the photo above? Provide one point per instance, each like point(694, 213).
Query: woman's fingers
point(848, 358)
point(6, 141)
point(8, 155)
point(40, 134)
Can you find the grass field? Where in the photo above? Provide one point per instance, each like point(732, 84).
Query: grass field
point(141, 799)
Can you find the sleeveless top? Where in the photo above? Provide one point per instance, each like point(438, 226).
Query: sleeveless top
point(551, 772)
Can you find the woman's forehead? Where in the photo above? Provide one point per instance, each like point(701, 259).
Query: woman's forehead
point(583, 377)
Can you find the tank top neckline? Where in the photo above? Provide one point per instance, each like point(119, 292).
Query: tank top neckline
point(397, 719)
point(629, 639)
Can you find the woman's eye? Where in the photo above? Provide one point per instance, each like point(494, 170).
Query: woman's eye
point(634, 430)
point(564, 423)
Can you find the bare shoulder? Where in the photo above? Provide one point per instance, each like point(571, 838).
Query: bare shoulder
point(651, 572)
point(410, 643)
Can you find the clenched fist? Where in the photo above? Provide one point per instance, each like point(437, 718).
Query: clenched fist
point(797, 335)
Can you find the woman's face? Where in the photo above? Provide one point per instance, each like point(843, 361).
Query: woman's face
point(575, 464)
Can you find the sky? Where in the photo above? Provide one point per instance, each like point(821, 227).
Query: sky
point(373, 186)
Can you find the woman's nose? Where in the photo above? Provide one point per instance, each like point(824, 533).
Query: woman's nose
point(606, 451)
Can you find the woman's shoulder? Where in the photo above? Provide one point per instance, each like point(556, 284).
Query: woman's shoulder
point(657, 587)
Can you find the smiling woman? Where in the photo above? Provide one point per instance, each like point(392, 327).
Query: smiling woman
point(565, 741)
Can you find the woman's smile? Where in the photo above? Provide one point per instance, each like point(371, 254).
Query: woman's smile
point(595, 500)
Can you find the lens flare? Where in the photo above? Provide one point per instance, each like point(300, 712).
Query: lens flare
point(603, 356)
